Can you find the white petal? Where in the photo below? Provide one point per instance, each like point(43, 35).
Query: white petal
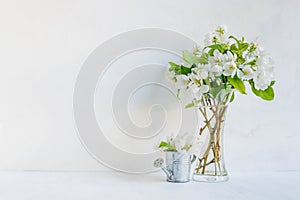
point(204, 88)
point(203, 74)
point(227, 72)
point(182, 81)
point(240, 74)
point(216, 53)
point(216, 68)
point(230, 56)
point(194, 88)
point(198, 95)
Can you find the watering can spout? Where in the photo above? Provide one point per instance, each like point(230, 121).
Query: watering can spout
point(168, 172)
point(158, 163)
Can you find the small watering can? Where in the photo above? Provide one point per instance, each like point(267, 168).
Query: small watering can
point(178, 166)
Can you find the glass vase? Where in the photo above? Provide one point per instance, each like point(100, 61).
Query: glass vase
point(210, 166)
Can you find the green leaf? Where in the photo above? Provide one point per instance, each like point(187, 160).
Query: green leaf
point(237, 41)
point(243, 47)
point(215, 90)
point(211, 52)
point(272, 83)
point(190, 105)
point(237, 84)
point(267, 94)
point(252, 62)
point(233, 48)
point(220, 47)
point(166, 146)
point(185, 70)
point(216, 46)
point(163, 144)
point(214, 83)
point(203, 59)
point(173, 64)
point(240, 60)
point(179, 69)
point(252, 47)
point(189, 57)
point(232, 97)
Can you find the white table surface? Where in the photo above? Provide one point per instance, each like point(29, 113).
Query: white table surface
point(31, 185)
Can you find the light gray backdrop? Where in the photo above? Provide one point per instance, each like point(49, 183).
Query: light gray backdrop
point(44, 43)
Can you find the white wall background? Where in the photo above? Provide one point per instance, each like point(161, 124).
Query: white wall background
point(44, 43)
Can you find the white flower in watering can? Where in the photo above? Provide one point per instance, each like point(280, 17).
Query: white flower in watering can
point(185, 143)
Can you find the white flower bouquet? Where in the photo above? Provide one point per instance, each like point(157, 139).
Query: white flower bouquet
point(225, 64)
point(208, 78)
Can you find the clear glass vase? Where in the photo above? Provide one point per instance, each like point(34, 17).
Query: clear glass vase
point(210, 166)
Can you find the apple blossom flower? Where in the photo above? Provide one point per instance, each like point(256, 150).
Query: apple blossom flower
point(182, 81)
point(246, 73)
point(183, 143)
point(261, 80)
point(198, 90)
point(215, 70)
point(171, 76)
point(217, 58)
point(200, 72)
point(229, 69)
point(194, 88)
point(230, 57)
